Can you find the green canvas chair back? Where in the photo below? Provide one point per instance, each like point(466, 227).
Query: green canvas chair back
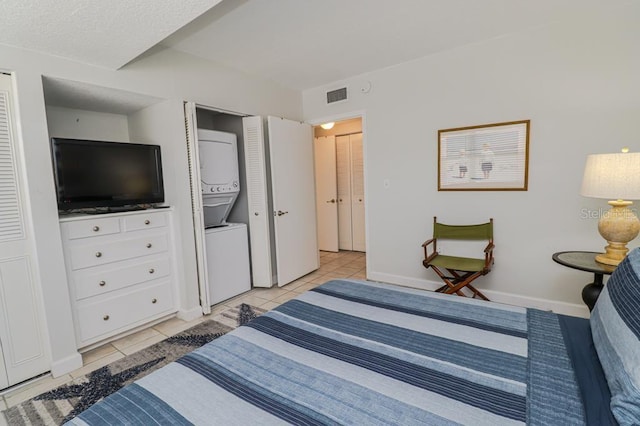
point(483, 231)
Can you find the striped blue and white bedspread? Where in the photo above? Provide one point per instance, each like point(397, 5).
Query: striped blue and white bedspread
point(351, 352)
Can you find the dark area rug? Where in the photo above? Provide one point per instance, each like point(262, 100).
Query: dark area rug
point(67, 401)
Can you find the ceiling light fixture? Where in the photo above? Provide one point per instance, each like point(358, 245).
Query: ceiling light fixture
point(327, 126)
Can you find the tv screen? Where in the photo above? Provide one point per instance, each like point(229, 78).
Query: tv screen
point(91, 174)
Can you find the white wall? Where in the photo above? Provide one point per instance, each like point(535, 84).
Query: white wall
point(167, 74)
point(79, 124)
point(578, 82)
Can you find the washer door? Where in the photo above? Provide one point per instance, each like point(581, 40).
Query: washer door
point(217, 208)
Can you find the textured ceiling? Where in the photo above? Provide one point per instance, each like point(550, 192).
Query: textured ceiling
point(304, 44)
point(297, 43)
point(107, 33)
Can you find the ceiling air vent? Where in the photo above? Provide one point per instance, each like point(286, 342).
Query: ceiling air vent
point(337, 95)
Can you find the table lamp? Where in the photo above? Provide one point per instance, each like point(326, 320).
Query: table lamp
point(615, 177)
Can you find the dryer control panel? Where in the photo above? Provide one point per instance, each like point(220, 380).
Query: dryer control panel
point(235, 186)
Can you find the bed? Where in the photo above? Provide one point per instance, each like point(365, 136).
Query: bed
point(363, 353)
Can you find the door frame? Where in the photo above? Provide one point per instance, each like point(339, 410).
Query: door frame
point(191, 127)
point(346, 116)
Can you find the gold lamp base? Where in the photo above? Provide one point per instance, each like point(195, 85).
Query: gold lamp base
point(618, 226)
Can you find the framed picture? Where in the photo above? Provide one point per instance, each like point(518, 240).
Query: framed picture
point(489, 157)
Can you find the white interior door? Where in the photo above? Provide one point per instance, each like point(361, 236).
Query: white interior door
point(357, 193)
point(22, 331)
point(294, 206)
point(326, 192)
point(4, 380)
point(343, 167)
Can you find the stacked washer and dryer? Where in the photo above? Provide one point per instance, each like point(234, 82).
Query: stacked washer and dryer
point(227, 244)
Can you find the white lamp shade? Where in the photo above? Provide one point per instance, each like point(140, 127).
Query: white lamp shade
point(612, 176)
point(327, 126)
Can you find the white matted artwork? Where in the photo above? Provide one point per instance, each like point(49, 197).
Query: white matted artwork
point(489, 157)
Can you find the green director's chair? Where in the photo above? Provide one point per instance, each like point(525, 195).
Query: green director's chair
point(462, 270)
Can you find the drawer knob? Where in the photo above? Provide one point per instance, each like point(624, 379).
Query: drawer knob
point(96, 228)
point(102, 283)
point(148, 245)
point(154, 300)
point(151, 271)
point(106, 317)
point(98, 254)
point(147, 222)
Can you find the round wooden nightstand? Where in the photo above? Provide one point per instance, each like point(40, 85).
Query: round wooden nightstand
point(586, 261)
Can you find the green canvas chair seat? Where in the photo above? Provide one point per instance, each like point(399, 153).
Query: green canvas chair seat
point(458, 272)
point(466, 264)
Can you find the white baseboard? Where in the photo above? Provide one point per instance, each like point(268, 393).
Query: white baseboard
point(190, 314)
point(402, 280)
point(66, 365)
point(573, 309)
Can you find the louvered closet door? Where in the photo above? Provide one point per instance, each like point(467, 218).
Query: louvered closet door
point(343, 170)
point(357, 193)
point(21, 325)
point(191, 127)
point(257, 198)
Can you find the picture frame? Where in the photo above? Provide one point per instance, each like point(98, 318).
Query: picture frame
point(487, 157)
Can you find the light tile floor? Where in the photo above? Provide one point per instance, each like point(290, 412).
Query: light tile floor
point(345, 264)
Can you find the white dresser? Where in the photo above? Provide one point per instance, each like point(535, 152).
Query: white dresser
point(120, 268)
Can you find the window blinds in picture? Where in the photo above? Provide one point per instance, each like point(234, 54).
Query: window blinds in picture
point(487, 157)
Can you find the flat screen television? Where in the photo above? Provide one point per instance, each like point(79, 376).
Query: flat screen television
point(91, 174)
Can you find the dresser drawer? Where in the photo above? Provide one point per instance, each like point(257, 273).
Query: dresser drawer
point(145, 221)
point(92, 227)
point(103, 279)
point(102, 252)
point(98, 318)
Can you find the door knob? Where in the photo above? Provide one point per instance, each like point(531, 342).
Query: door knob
point(332, 201)
point(281, 213)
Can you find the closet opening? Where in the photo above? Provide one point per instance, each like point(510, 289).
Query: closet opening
point(340, 191)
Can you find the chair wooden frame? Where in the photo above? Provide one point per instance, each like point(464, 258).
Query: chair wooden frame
point(459, 278)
